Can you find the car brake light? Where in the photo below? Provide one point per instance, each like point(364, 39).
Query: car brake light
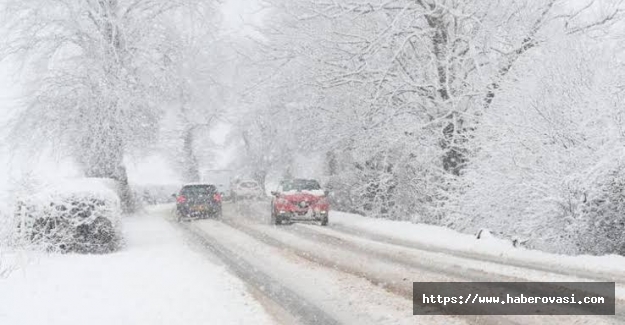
point(217, 197)
point(181, 199)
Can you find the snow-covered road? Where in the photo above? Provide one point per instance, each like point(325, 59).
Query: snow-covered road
point(353, 279)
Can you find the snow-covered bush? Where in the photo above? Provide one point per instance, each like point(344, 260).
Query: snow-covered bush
point(77, 216)
point(5, 268)
point(4, 225)
point(403, 182)
point(601, 224)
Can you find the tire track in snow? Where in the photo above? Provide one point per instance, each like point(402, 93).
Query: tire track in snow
point(579, 273)
point(307, 313)
point(261, 206)
point(275, 236)
point(403, 256)
point(401, 288)
point(347, 298)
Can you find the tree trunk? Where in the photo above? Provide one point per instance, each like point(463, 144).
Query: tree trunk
point(101, 155)
point(451, 142)
point(120, 175)
point(261, 176)
point(190, 163)
point(129, 204)
point(331, 164)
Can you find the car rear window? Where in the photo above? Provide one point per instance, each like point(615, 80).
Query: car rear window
point(198, 190)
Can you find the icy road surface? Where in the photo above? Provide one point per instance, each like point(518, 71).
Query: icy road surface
point(156, 279)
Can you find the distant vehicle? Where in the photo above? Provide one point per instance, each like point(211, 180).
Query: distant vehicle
point(247, 189)
point(198, 201)
point(221, 178)
point(299, 200)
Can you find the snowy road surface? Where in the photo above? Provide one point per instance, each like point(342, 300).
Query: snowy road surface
point(353, 279)
point(156, 279)
point(241, 270)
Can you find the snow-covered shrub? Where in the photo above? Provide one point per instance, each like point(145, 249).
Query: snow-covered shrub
point(601, 224)
point(5, 268)
point(405, 181)
point(341, 189)
point(4, 225)
point(78, 216)
point(394, 185)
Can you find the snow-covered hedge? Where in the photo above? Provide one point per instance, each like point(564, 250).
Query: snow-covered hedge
point(5, 268)
point(601, 216)
point(76, 216)
point(4, 224)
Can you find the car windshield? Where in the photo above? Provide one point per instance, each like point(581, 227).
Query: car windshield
point(300, 185)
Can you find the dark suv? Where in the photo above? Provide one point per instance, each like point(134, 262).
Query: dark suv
point(198, 201)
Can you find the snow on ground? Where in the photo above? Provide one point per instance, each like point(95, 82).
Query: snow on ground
point(156, 279)
point(445, 238)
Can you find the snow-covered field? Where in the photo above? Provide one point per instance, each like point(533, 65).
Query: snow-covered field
point(156, 279)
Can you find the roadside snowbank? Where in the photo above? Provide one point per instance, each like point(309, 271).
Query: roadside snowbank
point(156, 279)
point(436, 237)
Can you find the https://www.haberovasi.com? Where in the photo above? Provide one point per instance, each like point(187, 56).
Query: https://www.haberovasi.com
point(514, 298)
point(510, 299)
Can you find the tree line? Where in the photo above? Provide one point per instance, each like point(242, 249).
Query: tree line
point(467, 114)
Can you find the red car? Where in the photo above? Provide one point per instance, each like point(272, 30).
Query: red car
point(299, 200)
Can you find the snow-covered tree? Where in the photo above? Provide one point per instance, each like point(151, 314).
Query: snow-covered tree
point(398, 87)
point(549, 152)
point(206, 90)
point(101, 70)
